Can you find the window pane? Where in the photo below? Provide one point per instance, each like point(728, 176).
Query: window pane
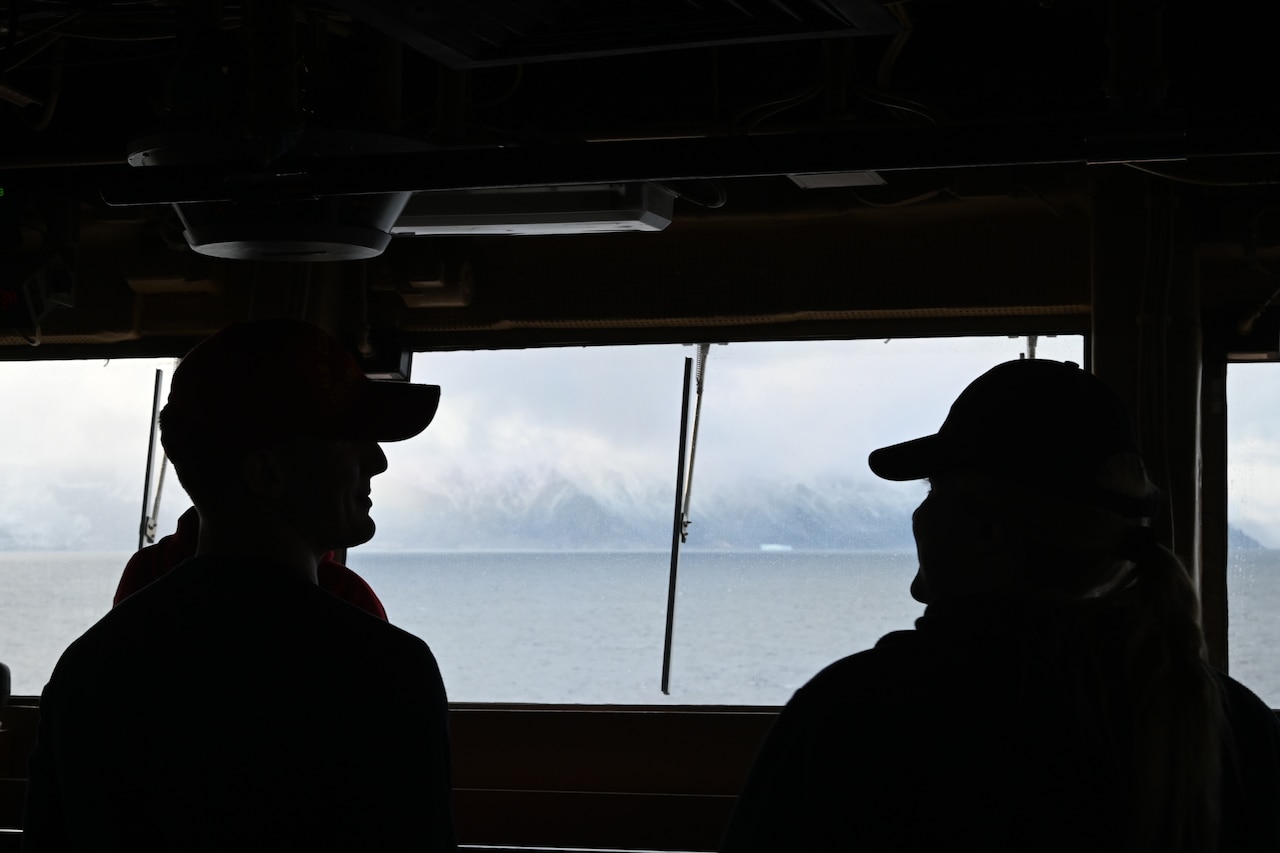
point(807, 556)
point(73, 458)
point(1253, 483)
point(525, 535)
point(530, 523)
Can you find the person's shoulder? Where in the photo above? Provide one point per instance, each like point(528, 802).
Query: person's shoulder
point(895, 666)
point(361, 632)
point(394, 639)
point(1251, 780)
point(1244, 707)
point(346, 616)
point(132, 620)
point(94, 656)
point(891, 655)
point(384, 660)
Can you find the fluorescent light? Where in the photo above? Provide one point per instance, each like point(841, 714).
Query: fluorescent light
point(539, 210)
point(822, 180)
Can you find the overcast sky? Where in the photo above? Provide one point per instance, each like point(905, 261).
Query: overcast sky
point(604, 417)
point(1253, 450)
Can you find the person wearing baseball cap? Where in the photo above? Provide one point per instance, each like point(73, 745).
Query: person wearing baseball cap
point(234, 703)
point(1055, 696)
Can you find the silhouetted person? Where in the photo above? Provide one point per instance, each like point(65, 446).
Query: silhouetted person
point(1055, 694)
point(233, 704)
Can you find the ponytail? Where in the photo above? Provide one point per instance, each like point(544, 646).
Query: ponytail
point(1126, 638)
point(1176, 724)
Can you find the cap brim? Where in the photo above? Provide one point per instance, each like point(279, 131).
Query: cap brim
point(910, 460)
point(394, 411)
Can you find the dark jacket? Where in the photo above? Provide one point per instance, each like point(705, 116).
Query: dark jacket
point(960, 736)
point(196, 717)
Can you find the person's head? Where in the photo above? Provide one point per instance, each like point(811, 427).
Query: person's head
point(276, 417)
point(1036, 485)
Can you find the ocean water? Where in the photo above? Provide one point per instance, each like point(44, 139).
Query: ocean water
point(47, 599)
point(1253, 627)
point(750, 627)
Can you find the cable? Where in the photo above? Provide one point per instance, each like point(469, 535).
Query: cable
point(720, 198)
point(118, 38)
point(895, 103)
point(1250, 248)
point(885, 72)
point(1245, 326)
point(46, 115)
point(51, 101)
point(29, 36)
point(915, 199)
point(33, 339)
point(31, 53)
point(778, 106)
point(1043, 200)
point(882, 92)
point(1201, 182)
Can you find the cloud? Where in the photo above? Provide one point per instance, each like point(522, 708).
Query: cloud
point(74, 452)
point(604, 419)
point(1253, 451)
point(774, 415)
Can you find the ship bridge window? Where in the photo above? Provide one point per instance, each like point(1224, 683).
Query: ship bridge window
point(526, 536)
point(76, 436)
point(1253, 511)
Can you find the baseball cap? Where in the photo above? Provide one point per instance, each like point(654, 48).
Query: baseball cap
point(256, 383)
point(1048, 424)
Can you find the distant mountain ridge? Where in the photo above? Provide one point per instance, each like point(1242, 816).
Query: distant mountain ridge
point(1238, 539)
point(552, 511)
point(555, 513)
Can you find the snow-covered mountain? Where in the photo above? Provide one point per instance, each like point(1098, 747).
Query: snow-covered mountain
point(528, 510)
point(551, 511)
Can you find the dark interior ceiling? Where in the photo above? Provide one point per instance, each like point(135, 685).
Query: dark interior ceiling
point(991, 125)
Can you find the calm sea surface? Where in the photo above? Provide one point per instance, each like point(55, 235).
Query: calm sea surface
point(588, 627)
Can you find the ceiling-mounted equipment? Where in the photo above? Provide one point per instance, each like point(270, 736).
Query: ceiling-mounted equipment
point(588, 209)
point(271, 217)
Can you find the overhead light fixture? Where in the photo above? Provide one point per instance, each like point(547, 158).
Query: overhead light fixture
point(274, 225)
point(585, 209)
point(822, 180)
